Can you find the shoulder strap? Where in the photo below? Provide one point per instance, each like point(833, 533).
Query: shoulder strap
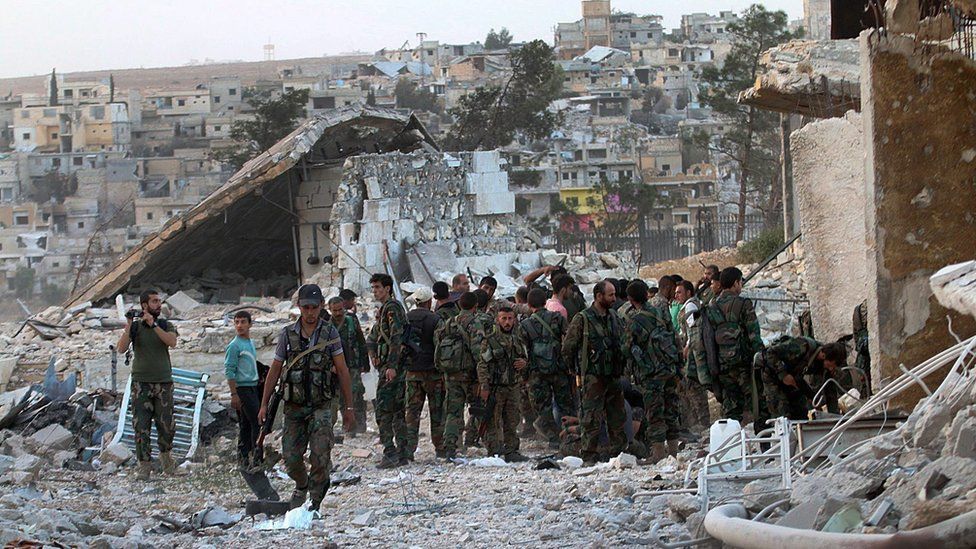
point(545, 325)
point(317, 347)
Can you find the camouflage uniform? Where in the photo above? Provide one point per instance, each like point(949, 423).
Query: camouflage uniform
point(307, 405)
point(792, 356)
point(706, 296)
point(458, 343)
point(862, 347)
point(486, 323)
point(594, 344)
point(386, 340)
point(424, 384)
point(547, 375)
point(695, 378)
point(447, 311)
point(737, 337)
point(497, 374)
point(152, 403)
point(354, 349)
point(655, 360)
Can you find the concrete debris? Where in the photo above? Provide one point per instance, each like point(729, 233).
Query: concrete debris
point(117, 453)
point(53, 438)
point(182, 303)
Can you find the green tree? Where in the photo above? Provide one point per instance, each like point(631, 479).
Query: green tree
point(274, 118)
point(24, 281)
point(498, 40)
point(53, 186)
point(619, 208)
point(751, 139)
point(492, 116)
point(410, 96)
point(53, 90)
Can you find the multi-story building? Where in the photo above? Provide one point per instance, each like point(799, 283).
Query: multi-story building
point(628, 30)
point(180, 102)
point(704, 27)
point(596, 23)
point(68, 128)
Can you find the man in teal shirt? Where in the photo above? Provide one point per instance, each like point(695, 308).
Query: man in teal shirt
point(241, 368)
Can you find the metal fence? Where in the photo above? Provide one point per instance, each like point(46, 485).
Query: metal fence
point(652, 244)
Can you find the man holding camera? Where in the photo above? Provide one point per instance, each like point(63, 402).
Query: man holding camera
point(152, 381)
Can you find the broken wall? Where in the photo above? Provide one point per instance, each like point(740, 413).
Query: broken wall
point(403, 199)
point(919, 111)
point(828, 177)
point(313, 201)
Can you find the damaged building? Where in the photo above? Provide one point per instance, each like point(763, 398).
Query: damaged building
point(348, 193)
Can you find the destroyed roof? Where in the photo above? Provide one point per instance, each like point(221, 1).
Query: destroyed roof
point(234, 227)
point(601, 53)
point(395, 68)
point(813, 78)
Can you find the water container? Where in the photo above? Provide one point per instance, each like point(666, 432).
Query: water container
point(720, 432)
point(370, 380)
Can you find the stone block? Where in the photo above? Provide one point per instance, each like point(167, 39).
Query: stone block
point(182, 303)
point(373, 189)
point(405, 229)
point(361, 254)
point(347, 234)
point(28, 463)
point(383, 209)
point(375, 232)
point(485, 161)
point(494, 203)
point(490, 182)
point(116, 454)
point(53, 438)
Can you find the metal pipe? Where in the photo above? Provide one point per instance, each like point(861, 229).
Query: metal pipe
point(730, 525)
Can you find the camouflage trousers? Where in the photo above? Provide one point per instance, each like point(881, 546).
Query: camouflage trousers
point(784, 401)
point(542, 390)
point(694, 402)
point(737, 395)
point(429, 387)
point(358, 402)
point(390, 415)
point(527, 411)
point(152, 403)
point(602, 402)
point(503, 436)
point(308, 428)
point(661, 408)
point(458, 391)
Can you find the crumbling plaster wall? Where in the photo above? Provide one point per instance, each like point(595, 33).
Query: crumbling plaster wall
point(919, 112)
point(828, 176)
point(403, 199)
point(313, 199)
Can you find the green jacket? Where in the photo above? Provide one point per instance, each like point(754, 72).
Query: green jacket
point(542, 334)
point(594, 344)
point(653, 349)
point(386, 337)
point(499, 351)
point(736, 327)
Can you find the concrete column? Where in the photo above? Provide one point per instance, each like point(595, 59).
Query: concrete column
point(786, 163)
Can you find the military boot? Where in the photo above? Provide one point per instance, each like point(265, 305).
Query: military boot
point(674, 446)
point(659, 451)
point(298, 496)
point(143, 468)
point(169, 465)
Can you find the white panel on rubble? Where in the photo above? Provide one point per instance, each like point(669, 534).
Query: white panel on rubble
point(347, 233)
point(375, 232)
point(494, 203)
point(373, 189)
point(383, 209)
point(405, 229)
point(360, 254)
point(491, 182)
point(484, 161)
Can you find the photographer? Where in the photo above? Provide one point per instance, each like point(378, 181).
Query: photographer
point(152, 381)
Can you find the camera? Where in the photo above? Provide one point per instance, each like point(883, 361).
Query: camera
point(133, 314)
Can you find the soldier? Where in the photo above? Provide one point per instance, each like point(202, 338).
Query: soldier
point(387, 353)
point(737, 340)
point(548, 378)
point(152, 381)
point(489, 285)
point(502, 356)
point(655, 361)
point(665, 293)
point(311, 350)
point(354, 351)
point(594, 344)
point(457, 346)
point(349, 301)
point(694, 397)
point(862, 348)
point(562, 289)
point(424, 382)
point(704, 290)
point(446, 307)
point(784, 366)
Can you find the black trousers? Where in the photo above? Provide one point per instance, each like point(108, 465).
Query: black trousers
point(247, 419)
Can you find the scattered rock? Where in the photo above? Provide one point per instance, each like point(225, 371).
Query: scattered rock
point(365, 519)
point(53, 438)
point(116, 454)
point(623, 461)
point(28, 463)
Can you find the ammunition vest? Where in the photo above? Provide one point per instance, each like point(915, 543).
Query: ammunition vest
point(657, 354)
point(455, 352)
point(544, 329)
point(500, 350)
point(730, 336)
point(601, 351)
point(309, 377)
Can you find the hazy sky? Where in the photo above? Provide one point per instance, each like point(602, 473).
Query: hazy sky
point(102, 34)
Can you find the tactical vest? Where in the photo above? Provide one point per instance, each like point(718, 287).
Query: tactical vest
point(655, 356)
point(600, 354)
point(730, 337)
point(544, 335)
point(454, 352)
point(409, 343)
point(309, 377)
point(347, 333)
point(500, 351)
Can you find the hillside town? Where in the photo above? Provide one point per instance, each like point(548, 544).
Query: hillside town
point(628, 284)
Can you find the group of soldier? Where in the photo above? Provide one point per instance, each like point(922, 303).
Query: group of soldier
point(629, 373)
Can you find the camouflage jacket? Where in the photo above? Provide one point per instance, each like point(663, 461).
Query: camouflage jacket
point(793, 356)
point(499, 350)
point(464, 332)
point(594, 344)
point(353, 342)
point(542, 334)
point(690, 336)
point(733, 319)
point(653, 349)
point(386, 337)
point(447, 311)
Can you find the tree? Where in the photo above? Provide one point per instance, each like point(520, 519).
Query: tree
point(498, 40)
point(410, 96)
point(111, 88)
point(52, 89)
point(53, 186)
point(371, 98)
point(24, 281)
point(274, 118)
point(750, 140)
point(492, 116)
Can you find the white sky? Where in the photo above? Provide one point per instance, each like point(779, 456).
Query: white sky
point(77, 35)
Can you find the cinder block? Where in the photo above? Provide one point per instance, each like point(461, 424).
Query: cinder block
point(373, 189)
point(494, 203)
point(376, 232)
point(383, 209)
point(360, 254)
point(484, 161)
point(404, 229)
point(347, 233)
point(490, 182)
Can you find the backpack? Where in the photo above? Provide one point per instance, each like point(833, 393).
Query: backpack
point(544, 353)
point(729, 334)
point(410, 340)
point(453, 352)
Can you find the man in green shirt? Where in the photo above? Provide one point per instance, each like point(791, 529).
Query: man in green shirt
point(152, 381)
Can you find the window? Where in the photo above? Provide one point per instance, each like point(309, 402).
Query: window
point(572, 201)
point(48, 113)
point(149, 216)
point(21, 219)
point(54, 135)
point(633, 35)
point(181, 102)
point(77, 161)
point(672, 52)
point(25, 114)
point(565, 176)
point(97, 112)
point(25, 136)
point(430, 52)
point(232, 91)
point(217, 128)
point(666, 167)
point(216, 99)
point(56, 162)
point(56, 264)
point(7, 194)
point(69, 93)
point(81, 224)
point(84, 93)
point(169, 213)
